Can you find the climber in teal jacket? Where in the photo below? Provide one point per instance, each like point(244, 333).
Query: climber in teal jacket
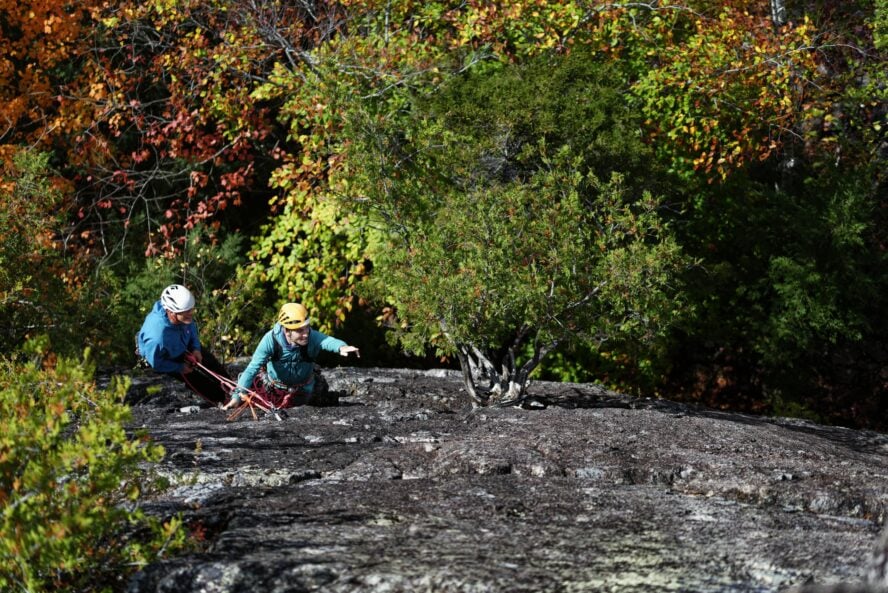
point(282, 369)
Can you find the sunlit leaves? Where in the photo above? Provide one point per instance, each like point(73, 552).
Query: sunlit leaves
point(33, 274)
point(66, 467)
point(38, 39)
point(729, 92)
point(312, 251)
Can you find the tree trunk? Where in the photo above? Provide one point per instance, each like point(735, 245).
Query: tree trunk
point(778, 12)
point(505, 387)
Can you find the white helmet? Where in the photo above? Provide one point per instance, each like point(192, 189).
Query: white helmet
point(177, 298)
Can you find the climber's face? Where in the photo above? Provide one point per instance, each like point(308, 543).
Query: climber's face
point(298, 336)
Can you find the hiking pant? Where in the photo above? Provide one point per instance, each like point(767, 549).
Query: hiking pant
point(283, 396)
point(204, 384)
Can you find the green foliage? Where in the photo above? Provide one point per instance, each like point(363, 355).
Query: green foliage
point(825, 275)
point(498, 233)
point(261, 123)
point(791, 409)
point(792, 279)
point(131, 286)
point(715, 99)
point(312, 250)
point(33, 270)
point(27, 199)
point(574, 101)
point(880, 26)
point(310, 254)
point(70, 478)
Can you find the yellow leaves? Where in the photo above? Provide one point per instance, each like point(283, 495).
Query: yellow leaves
point(58, 531)
point(753, 76)
point(56, 409)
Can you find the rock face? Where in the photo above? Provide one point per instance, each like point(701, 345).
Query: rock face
point(403, 487)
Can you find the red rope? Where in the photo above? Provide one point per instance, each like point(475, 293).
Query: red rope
point(195, 390)
point(250, 395)
point(261, 402)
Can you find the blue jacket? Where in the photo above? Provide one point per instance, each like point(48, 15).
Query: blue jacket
point(164, 344)
point(291, 368)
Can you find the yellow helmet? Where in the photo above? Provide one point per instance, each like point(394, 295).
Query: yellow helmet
point(293, 316)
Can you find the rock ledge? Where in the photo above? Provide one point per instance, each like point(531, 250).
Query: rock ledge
point(404, 487)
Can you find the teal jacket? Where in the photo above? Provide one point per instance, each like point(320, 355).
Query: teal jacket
point(290, 365)
point(163, 343)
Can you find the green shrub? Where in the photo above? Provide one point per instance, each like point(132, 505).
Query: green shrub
point(129, 288)
point(70, 480)
point(505, 235)
point(31, 267)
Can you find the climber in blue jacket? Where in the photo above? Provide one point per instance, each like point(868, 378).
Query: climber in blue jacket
point(170, 344)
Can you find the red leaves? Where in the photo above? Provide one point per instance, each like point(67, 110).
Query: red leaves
point(140, 156)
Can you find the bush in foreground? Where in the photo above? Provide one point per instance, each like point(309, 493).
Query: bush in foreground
point(70, 478)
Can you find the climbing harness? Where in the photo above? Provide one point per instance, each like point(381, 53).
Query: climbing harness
point(279, 393)
point(249, 400)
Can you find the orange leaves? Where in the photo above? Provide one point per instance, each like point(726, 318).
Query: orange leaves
point(141, 102)
point(37, 36)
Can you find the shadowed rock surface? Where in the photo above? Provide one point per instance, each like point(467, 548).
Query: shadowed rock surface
point(403, 487)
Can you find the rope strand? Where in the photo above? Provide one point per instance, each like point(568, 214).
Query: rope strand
point(248, 402)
